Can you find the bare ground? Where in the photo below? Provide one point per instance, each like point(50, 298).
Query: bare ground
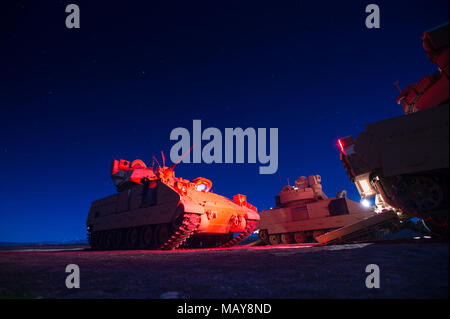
point(407, 270)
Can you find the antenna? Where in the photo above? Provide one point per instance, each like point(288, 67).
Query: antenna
point(163, 158)
point(153, 161)
point(181, 158)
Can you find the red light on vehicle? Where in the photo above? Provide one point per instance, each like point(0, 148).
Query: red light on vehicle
point(346, 144)
point(341, 145)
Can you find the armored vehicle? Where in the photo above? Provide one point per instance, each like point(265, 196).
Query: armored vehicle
point(403, 161)
point(153, 209)
point(304, 212)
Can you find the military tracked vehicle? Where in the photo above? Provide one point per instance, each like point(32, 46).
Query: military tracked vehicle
point(403, 161)
point(153, 209)
point(303, 212)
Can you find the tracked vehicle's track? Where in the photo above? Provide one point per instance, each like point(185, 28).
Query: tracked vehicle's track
point(188, 225)
point(250, 228)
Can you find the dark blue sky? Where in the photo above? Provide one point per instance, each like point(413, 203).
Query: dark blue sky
point(73, 100)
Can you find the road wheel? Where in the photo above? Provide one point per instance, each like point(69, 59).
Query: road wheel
point(226, 238)
point(118, 239)
point(264, 236)
point(101, 240)
point(147, 237)
point(133, 238)
point(161, 234)
point(427, 193)
point(287, 238)
point(93, 240)
point(300, 237)
point(109, 237)
point(274, 239)
point(421, 194)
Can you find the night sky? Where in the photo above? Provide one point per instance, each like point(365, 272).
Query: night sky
point(72, 100)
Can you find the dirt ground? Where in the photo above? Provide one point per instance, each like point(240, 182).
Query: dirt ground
point(407, 270)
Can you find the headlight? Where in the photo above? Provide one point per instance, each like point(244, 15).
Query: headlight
point(201, 187)
point(202, 184)
point(366, 202)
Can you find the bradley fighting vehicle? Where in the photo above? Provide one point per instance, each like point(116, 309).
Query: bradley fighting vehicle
point(304, 211)
point(153, 209)
point(403, 161)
